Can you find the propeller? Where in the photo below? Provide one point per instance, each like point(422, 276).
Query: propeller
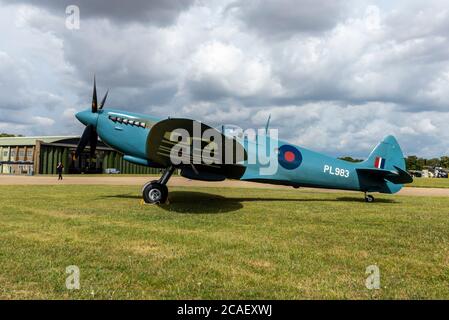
point(104, 100)
point(90, 135)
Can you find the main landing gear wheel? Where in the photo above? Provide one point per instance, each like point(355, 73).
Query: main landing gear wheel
point(369, 198)
point(156, 192)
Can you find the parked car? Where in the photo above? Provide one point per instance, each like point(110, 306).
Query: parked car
point(111, 171)
point(439, 172)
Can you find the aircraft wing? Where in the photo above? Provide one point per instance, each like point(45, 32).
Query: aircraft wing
point(397, 177)
point(160, 144)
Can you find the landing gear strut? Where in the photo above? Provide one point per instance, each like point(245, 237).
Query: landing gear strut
point(156, 191)
point(369, 198)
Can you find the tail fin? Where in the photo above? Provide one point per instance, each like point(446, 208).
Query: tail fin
point(387, 155)
point(384, 170)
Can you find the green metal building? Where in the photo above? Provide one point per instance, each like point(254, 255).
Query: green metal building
point(40, 155)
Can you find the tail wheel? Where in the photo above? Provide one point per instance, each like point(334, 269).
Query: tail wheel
point(369, 198)
point(155, 193)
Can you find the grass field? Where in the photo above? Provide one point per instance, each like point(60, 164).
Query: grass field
point(220, 243)
point(429, 183)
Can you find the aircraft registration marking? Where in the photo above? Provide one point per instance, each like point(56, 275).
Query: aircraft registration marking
point(337, 172)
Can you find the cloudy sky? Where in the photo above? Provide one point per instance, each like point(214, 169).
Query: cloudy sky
point(336, 76)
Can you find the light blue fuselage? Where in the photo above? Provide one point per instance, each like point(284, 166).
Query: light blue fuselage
point(315, 170)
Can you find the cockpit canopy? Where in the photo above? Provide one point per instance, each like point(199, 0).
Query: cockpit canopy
point(231, 131)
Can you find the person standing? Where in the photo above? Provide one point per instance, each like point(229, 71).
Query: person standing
point(60, 169)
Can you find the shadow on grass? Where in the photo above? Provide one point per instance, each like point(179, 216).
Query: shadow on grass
point(206, 203)
point(362, 199)
point(199, 202)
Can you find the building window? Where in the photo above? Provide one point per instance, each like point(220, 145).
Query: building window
point(29, 153)
point(13, 153)
point(21, 153)
point(24, 169)
point(5, 153)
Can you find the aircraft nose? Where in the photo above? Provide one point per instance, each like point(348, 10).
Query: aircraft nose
point(87, 117)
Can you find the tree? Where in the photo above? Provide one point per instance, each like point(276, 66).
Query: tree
point(413, 163)
point(444, 161)
point(5, 135)
point(8, 135)
point(422, 163)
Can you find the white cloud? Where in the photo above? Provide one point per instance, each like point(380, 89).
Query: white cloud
point(355, 129)
point(280, 18)
point(69, 114)
point(226, 70)
point(42, 121)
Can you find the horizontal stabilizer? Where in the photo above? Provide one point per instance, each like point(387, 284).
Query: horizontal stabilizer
point(397, 176)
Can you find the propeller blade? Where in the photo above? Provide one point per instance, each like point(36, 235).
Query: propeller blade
point(94, 98)
point(93, 142)
point(104, 100)
point(83, 141)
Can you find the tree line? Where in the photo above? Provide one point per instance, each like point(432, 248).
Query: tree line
point(7, 135)
point(415, 163)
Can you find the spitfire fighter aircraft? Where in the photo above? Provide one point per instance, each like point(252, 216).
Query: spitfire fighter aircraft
point(200, 152)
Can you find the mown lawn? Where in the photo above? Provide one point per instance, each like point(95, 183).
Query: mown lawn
point(429, 183)
point(214, 243)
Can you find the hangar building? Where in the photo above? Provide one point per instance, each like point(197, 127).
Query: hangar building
point(40, 155)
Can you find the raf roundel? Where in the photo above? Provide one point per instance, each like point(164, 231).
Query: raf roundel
point(289, 157)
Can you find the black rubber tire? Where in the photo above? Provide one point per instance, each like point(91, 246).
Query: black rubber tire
point(155, 193)
point(148, 183)
point(369, 198)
